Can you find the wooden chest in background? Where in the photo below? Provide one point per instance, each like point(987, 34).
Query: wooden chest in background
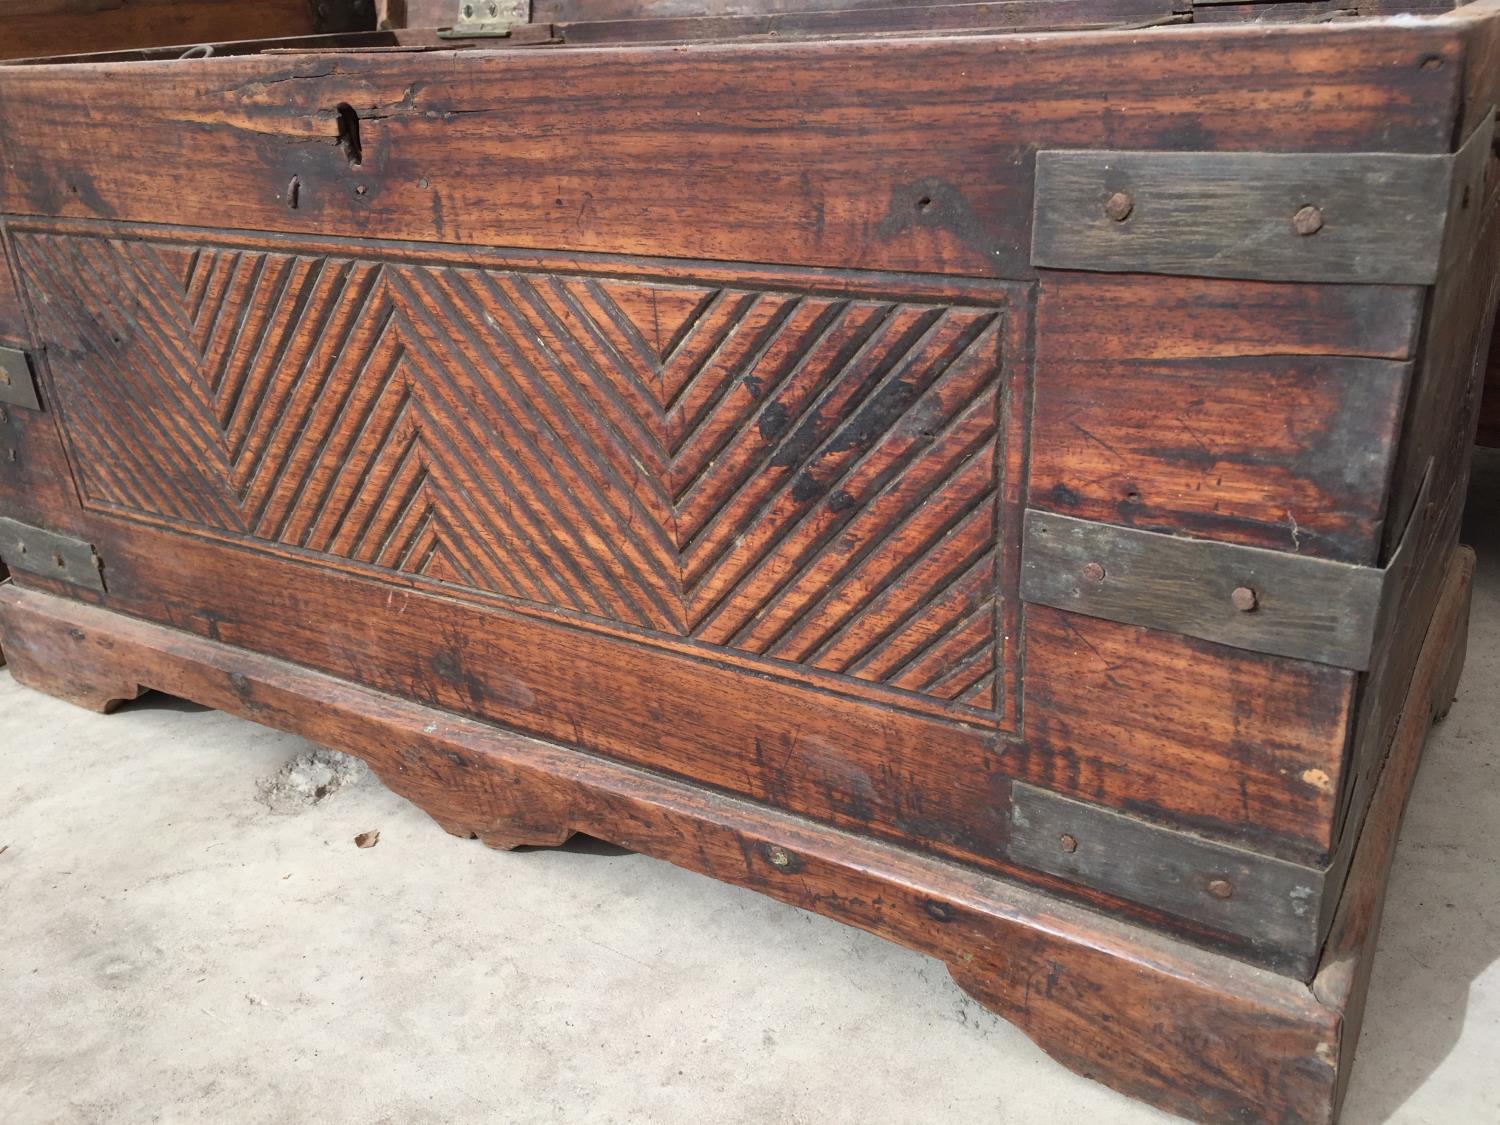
point(999, 490)
point(31, 28)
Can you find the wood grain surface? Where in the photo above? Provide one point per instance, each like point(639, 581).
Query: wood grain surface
point(1192, 1032)
point(1239, 746)
point(863, 155)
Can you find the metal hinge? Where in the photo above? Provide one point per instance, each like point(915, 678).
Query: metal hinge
point(487, 19)
point(17, 386)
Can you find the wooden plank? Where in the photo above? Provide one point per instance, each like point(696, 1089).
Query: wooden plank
point(1194, 1032)
point(998, 15)
point(55, 27)
point(1101, 316)
point(1270, 902)
point(1245, 748)
point(1374, 218)
point(12, 318)
point(1343, 977)
point(1439, 426)
point(1264, 601)
point(1238, 433)
point(1488, 433)
point(865, 155)
point(785, 740)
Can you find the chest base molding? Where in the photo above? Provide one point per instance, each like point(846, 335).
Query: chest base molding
point(1187, 1029)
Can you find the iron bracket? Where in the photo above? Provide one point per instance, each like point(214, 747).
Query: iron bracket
point(17, 384)
point(49, 554)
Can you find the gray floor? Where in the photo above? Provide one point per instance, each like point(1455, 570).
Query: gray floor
point(173, 950)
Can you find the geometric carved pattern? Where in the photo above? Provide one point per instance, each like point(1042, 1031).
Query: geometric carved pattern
point(807, 478)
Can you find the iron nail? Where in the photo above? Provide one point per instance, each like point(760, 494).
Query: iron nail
point(1308, 220)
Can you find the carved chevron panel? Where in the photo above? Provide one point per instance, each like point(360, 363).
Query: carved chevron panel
point(806, 478)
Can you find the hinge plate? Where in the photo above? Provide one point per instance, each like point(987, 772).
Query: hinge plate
point(17, 385)
point(49, 554)
point(487, 19)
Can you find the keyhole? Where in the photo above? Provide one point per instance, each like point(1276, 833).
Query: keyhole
point(349, 134)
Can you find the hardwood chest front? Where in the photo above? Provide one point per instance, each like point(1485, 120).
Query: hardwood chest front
point(1000, 490)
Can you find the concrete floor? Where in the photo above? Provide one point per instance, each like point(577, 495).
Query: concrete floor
point(172, 950)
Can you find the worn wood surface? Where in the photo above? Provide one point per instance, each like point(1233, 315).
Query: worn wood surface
point(1440, 427)
point(1193, 1032)
point(1343, 978)
point(863, 155)
point(1378, 218)
point(720, 482)
point(994, 16)
point(1489, 407)
point(1243, 747)
point(55, 27)
point(1283, 448)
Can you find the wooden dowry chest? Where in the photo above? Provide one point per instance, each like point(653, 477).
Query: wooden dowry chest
point(987, 473)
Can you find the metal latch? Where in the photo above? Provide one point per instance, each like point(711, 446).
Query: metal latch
point(17, 386)
point(482, 19)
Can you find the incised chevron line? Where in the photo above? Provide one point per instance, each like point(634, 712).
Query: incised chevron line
point(808, 478)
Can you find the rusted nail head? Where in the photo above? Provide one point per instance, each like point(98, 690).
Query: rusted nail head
point(1118, 206)
point(1244, 599)
point(1068, 841)
point(780, 857)
point(1093, 572)
point(1220, 888)
point(1308, 220)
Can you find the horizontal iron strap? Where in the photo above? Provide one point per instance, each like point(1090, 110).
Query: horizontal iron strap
point(1264, 900)
point(17, 385)
point(1360, 217)
point(35, 550)
point(1264, 601)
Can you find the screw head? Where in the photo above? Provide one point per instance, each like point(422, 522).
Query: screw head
point(1068, 841)
point(1308, 220)
point(1118, 206)
point(1220, 888)
point(780, 857)
point(1244, 599)
point(1093, 572)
